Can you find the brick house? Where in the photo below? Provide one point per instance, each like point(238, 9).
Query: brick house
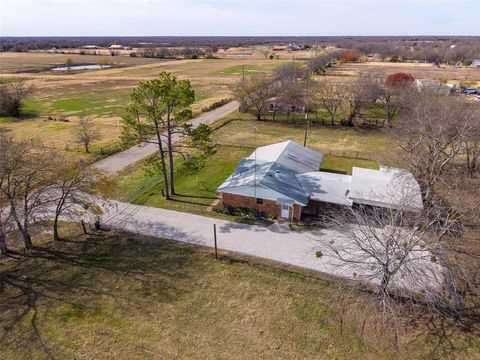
point(284, 180)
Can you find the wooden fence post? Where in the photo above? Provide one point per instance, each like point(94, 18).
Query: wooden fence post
point(83, 227)
point(215, 240)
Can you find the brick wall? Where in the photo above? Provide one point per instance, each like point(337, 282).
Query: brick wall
point(269, 207)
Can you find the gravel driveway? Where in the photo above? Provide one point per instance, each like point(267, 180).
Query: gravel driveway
point(276, 242)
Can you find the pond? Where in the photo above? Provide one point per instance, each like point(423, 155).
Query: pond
point(82, 67)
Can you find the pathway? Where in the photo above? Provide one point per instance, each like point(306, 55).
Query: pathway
point(119, 161)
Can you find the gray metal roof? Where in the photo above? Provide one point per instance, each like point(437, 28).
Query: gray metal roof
point(274, 167)
point(326, 187)
point(291, 171)
point(388, 187)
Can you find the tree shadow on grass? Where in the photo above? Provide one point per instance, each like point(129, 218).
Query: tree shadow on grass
point(196, 196)
point(189, 202)
point(76, 276)
point(448, 336)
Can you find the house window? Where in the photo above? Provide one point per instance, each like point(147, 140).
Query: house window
point(272, 107)
point(294, 108)
point(259, 201)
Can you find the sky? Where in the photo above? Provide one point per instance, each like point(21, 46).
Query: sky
point(238, 17)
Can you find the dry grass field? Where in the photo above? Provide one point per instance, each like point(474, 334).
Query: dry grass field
point(445, 73)
point(59, 99)
point(124, 296)
point(102, 94)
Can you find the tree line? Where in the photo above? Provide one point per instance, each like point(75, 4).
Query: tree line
point(291, 85)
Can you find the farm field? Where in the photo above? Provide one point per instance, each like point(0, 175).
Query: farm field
point(58, 100)
point(130, 297)
point(445, 73)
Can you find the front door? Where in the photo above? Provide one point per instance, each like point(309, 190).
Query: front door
point(285, 211)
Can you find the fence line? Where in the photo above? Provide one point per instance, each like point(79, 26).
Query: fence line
point(347, 154)
point(106, 150)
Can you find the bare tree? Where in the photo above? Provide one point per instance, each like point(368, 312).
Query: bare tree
point(433, 131)
point(266, 53)
point(398, 256)
point(355, 96)
point(289, 73)
point(318, 64)
point(4, 219)
point(69, 63)
point(72, 191)
point(11, 97)
point(86, 132)
point(254, 92)
point(472, 148)
point(329, 96)
point(25, 178)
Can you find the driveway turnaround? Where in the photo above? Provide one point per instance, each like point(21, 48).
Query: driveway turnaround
point(119, 161)
point(276, 242)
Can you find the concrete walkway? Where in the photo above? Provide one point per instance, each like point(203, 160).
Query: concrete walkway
point(276, 242)
point(119, 161)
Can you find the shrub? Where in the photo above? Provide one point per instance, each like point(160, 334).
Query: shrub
point(350, 56)
point(216, 105)
point(318, 253)
point(399, 79)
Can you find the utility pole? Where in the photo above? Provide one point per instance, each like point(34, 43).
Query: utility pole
point(307, 124)
point(255, 166)
point(243, 76)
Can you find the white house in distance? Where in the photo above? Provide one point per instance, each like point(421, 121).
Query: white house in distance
point(284, 180)
point(119, 47)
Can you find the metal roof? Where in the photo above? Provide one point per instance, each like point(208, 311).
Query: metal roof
point(388, 187)
point(274, 167)
point(288, 170)
point(326, 187)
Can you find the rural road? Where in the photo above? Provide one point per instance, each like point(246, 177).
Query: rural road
point(115, 163)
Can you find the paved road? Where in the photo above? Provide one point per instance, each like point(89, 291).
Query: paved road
point(119, 161)
point(276, 242)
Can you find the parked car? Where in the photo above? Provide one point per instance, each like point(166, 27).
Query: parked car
point(471, 91)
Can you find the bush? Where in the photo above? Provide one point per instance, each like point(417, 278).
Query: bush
point(318, 254)
point(216, 105)
point(350, 56)
point(399, 79)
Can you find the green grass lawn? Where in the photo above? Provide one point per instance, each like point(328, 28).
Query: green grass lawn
point(9, 80)
point(121, 296)
point(342, 164)
point(337, 140)
point(196, 191)
point(250, 69)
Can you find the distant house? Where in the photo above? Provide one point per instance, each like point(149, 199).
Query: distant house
point(375, 57)
point(284, 180)
point(91, 47)
point(440, 87)
point(277, 104)
point(119, 47)
point(475, 64)
point(293, 47)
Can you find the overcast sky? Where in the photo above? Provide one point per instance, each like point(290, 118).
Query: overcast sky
point(239, 17)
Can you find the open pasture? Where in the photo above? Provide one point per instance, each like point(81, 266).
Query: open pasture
point(418, 70)
point(102, 94)
point(36, 61)
point(124, 296)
